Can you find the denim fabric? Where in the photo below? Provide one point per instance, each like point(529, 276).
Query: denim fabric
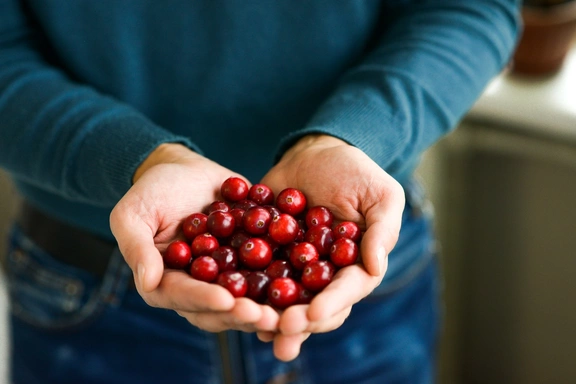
point(68, 327)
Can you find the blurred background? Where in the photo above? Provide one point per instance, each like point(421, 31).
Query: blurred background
point(503, 186)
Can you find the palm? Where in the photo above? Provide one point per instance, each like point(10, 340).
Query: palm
point(170, 192)
point(336, 177)
point(345, 180)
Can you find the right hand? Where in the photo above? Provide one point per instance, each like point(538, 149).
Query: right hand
point(170, 184)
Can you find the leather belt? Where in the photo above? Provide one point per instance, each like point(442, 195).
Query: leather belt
point(64, 242)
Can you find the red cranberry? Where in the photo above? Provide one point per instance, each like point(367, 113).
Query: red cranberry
point(304, 295)
point(234, 282)
point(238, 238)
point(244, 204)
point(279, 268)
point(256, 220)
point(347, 229)
point(238, 214)
point(283, 229)
point(226, 257)
point(343, 252)
point(255, 253)
point(258, 283)
point(234, 189)
point(273, 244)
point(273, 211)
point(177, 255)
point(321, 237)
point(218, 206)
point(204, 245)
point(194, 225)
point(300, 236)
point(319, 215)
point(301, 254)
point(317, 275)
point(282, 292)
point(291, 201)
point(261, 194)
point(221, 224)
point(245, 272)
point(204, 268)
point(301, 231)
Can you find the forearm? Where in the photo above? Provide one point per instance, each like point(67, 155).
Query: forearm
point(422, 76)
point(60, 135)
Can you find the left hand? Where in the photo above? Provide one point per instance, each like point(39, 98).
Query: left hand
point(344, 179)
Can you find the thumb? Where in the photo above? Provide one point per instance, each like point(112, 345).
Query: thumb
point(383, 221)
point(136, 243)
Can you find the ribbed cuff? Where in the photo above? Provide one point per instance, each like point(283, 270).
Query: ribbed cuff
point(114, 150)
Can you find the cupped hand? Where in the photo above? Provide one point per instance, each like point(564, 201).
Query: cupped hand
point(344, 179)
point(170, 184)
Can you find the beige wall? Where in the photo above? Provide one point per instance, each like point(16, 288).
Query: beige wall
point(8, 203)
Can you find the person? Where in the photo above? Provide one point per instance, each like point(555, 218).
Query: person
point(120, 118)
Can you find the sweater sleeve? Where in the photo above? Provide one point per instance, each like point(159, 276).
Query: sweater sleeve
point(422, 76)
point(62, 136)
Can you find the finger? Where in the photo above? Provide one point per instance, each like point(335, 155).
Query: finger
point(179, 291)
point(136, 243)
point(383, 221)
point(269, 320)
point(294, 320)
point(246, 316)
point(350, 285)
point(265, 336)
point(287, 348)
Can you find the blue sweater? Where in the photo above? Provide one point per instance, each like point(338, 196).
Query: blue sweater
point(89, 88)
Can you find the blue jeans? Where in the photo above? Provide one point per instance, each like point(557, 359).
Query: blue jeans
point(68, 327)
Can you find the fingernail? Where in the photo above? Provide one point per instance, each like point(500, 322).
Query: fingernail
point(381, 262)
point(140, 272)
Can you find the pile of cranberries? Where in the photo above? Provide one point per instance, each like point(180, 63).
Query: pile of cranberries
point(272, 250)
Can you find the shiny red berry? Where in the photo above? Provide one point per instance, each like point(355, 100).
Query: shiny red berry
point(256, 220)
point(218, 205)
point(204, 245)
point(343, 252)
point(283, 229)
point(279, 268)
point(194, 225)
point(177, 255)
point(234, 189)
point(244, 204)
point(273, 211)
point(305, 296)
point(282, 292)
point(226, 257)
point(258, 283)
point(301, 254)
point(204, 268)
point(317, 275)
point(291, 201)
point(234, 282)
point(321, 237)
point(237, 213)
point(261, 194)
point(319, 215)
point(347, 229)
point(238, 238)
point(255, 253)
point(221, 224)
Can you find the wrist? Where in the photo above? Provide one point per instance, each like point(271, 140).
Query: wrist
point(314, 141)
point(162, 154)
